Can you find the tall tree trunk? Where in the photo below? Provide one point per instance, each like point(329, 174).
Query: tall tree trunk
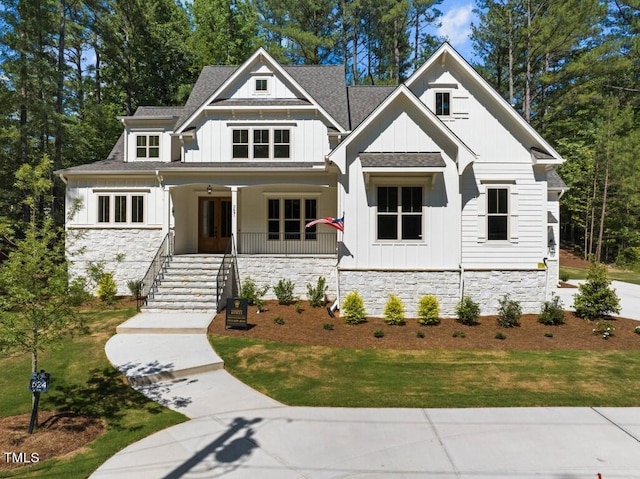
point(511, 93)
point(605, 190)
point(58, 192)
point(528, 73)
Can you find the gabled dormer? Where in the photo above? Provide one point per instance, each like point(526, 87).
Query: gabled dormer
point(147, 135)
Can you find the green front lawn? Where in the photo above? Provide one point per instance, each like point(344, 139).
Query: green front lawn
point(83, 381)
point(300, 375)
point(580, 273)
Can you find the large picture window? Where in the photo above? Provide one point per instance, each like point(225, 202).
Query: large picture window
point(399, 215)
point(497, 214)
point(120, 208)
point(261, 143)
point(147, 146)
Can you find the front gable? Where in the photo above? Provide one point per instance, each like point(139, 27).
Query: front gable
point(470, 107)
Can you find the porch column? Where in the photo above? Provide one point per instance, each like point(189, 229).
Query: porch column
point(234, 213)
point(168, 205)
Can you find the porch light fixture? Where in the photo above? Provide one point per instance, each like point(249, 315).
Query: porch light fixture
point(209, 189)
point(552, 246)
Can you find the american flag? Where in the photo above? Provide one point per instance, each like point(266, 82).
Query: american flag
point(337, 223)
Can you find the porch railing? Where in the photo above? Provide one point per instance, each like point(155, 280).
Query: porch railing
point(227, 280)
point(306, 243)
point(157, 266)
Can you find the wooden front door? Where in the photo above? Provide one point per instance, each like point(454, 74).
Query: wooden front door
point(214, 224)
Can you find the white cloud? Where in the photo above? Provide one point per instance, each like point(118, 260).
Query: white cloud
point(456, 25)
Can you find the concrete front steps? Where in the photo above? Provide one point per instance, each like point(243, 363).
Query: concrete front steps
point(154, 347)
point(188, 285)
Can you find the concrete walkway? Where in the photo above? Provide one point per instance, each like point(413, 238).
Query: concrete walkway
point(628, 293)
point(237, 432)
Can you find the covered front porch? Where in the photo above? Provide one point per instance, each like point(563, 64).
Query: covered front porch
point(263, 218)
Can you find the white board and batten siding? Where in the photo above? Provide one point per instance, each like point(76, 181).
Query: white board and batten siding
point(401, 130)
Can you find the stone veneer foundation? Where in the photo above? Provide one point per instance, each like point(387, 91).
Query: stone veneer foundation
point(126, 252)
point(268, 270)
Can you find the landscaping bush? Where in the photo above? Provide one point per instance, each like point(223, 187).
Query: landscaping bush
point(604, 329)
point(284, 291)
point(500, 335)
point(429, 310)
point(629, 258)
point(420, 334)
point(79, 291)
point(251, 293)
point(378, 333)
point(509, 312)
point(468, 311)
point(552, 312)
point(353, 308)
point(298, 306)
point(595, 298)
point(107, 288)
point(394, 311)
point(317, 294)
point(278, 320)
point(135, 287)
point(327, 326)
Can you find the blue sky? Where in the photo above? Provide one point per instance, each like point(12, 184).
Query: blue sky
point(456, 19)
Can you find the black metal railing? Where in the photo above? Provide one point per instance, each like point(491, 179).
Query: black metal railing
point(157, 266)
point(287, 243)
point(227, 280)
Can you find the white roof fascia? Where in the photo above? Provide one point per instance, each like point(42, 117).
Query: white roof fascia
point(465, 155)
point(445, 49)
point(243, 68)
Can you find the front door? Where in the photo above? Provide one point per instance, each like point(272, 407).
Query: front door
point(214, 224)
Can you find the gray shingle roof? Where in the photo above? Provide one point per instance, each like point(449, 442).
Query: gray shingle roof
point(551, 219)
point(406, 160)
point(554, 181)
point(261, 102)
point(541, 155)
point(363, 99)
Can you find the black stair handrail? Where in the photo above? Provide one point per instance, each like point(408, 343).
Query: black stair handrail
point(157, 268)
point(229, 266)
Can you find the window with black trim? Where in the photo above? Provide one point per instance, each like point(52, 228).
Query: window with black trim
point(497, 214)
point(120, 208)
point(147, 146)
point(443, 103)
point(241, 143)
point(261, 143)
point(261, 85)
point(286, 215)
point(399, 214)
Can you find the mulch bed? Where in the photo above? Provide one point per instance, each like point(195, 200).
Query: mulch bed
point(307, 327)
point(58, 435)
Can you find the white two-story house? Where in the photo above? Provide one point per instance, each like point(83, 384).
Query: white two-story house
point(443, 187)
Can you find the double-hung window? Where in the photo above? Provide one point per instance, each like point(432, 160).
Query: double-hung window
point(261, 143)
point(399, 215)
point(147, 146)
point(120, 208)
point(497, 214)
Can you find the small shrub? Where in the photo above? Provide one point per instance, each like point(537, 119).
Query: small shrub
point(548, 335)
point(353, 308)
point(564, 277)
point(500, 335)
point(420, 334)
point(107, 288)
point(636, 330)
point(298, 307)
point(79, 291)
point(253, 294)
point(429, 310)
point(378, 333)
point(394, 311)
point(595, 298)
point(284, 291)
point(135, 287)
point(327, 326)
point(278, 320)
point(459, 334)
point(552, 312)
point(604, 329)
point(317, 294)
point(468, 311)
point(259, 304)
point(509, 312)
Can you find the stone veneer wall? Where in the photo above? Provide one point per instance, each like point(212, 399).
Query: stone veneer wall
point(484, 287)
point(135, 248)
point(487, 287)
point(268, 270)
point(375, 286)
point(553, 270)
